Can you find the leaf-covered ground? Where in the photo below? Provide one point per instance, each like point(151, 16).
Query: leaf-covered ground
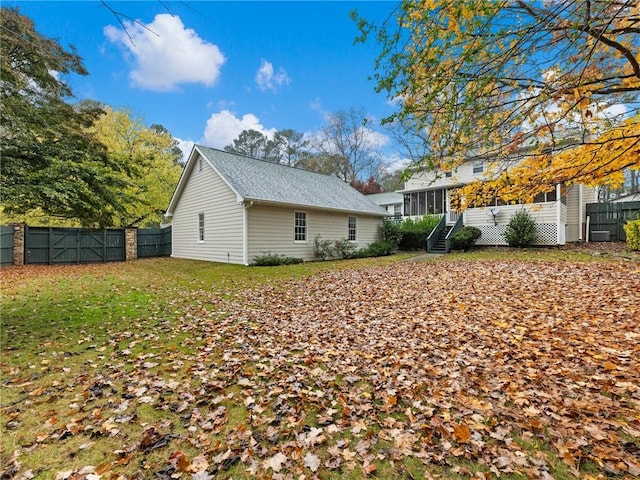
point(479, 368)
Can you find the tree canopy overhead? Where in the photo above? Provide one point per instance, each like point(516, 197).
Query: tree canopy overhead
point(49, 162)
point(548, 90)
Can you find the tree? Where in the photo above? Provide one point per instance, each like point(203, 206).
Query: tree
point(174, 149)
point(149, 157)
point(534, 87)
point(392, 181)
point(368, 187)
point(49, 161)
point(348, 138)
point(290, 147)
point(254, 144)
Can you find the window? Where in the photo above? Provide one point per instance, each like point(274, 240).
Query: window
point(352, 229)
point(200, 164)
point(300, 227)
point(201, 227)
point(430, 202)
point(478, 167)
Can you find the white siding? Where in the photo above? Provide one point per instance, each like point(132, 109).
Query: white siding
point(576, 216)
point(271, 230)
point(427, 180)
point(205, 192)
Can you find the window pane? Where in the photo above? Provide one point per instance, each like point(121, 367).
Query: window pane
point(430, 201)
point(551, 196)
point(300, 227)
point(201, 227)
point(352, 229)
point(421, 203)
point(439, 194)
point(478, 167)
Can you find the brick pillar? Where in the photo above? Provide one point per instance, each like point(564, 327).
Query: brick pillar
point(130, 244)
point(18, 243)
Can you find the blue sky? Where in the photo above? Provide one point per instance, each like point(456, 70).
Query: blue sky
point(208, 70)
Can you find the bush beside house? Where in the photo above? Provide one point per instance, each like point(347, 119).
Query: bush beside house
point(632, 229)
point(465, 238)
point(521, 230)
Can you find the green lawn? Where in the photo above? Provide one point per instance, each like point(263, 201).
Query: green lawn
point(470, 364)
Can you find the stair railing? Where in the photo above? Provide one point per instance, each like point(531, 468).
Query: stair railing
point(436, 232)
point(456, 226)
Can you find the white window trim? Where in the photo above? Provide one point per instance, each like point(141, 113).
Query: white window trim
point(201, 228)
point(306, 226)
point(477, 164)
point(355, 240)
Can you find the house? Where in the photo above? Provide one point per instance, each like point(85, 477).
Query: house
point(392, 202)
point(560, 214)
point(232, 208)
point(632, 197)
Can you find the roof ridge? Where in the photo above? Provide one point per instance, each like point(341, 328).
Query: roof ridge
point(243, 155)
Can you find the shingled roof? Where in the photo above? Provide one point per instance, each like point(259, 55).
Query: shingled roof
point(273, 183)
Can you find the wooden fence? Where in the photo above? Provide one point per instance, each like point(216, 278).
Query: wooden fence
point(6, 245)
point(611, 217)
point(154, 242)
point(60, 245)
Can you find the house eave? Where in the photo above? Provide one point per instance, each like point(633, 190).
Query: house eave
point(275, 203)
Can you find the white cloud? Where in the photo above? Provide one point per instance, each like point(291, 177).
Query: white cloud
point(395, 162)
point(224, 127)
point(268, 79)
point(167, 54)
point(185, 146)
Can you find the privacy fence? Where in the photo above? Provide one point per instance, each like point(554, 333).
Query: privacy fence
point(22, 244)
point(606, 220)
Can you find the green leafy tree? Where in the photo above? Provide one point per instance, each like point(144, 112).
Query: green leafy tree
point(509, 77)
point(149, 157)
point(254, 144)
point(291, 148)
point(50, 163)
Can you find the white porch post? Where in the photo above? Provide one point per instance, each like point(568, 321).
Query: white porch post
point(560, 228)
point(580, 213)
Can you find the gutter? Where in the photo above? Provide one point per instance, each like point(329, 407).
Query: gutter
point(245, 231)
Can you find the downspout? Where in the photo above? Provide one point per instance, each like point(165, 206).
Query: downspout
point(559, 215)
point(580, 212)
point(245, 232)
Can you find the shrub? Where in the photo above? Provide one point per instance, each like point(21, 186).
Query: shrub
point(465, 238)
point(381, 248)
point(391, 231)
point(632, 229)
point(322, 249)
point(273, 259)
point(415, 233)
point(521, 230)
point(343, 248)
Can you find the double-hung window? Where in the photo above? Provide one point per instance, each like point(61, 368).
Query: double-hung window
point(351, 232)
point(478, 167)
point(201, 227)
point(300, 227)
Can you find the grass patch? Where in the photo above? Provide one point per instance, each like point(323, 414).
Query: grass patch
point(354, 363)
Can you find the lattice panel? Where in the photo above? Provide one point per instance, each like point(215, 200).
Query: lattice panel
point(494, 234)
point(547, 234)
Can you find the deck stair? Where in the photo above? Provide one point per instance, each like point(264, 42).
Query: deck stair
point(440, 245)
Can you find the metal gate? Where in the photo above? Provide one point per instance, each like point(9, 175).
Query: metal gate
point(611, 217)
point(49, 245)
point(154, 242)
